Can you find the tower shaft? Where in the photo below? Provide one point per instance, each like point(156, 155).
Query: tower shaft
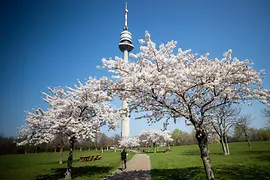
point(125, 121)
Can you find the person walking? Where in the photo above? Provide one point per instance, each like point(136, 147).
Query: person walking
point(124, 159)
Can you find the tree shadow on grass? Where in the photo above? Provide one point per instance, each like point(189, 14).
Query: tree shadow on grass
point(239, 172)
point(264, 158)
point(223, 172)
point(257, 152)
point(150, 152)
point(73, 161)
point(130, 175)
point(59, 173)
point(63, 162)
point(170, 174)
point(197, 153)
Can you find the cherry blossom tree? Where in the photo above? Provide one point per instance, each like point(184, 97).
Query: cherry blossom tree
point(167, 85)
point(56, 94)
point(36, 129)
point(76, 113)
point(129, 142)
point(210, 132)
point(154, 138)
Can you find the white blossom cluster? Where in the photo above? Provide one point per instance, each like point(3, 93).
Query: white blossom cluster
point(129, 142)
point(74, 112)
point(169, 85)
point(154, 137)
point(146, 138)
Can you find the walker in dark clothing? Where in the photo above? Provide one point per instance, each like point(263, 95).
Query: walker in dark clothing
point(124, 159)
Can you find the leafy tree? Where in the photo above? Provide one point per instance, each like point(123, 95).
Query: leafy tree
point(168, 86)
point(7, 145)
point(264, 134)
point(102, 141)
point(116, 138)
point(178, 137)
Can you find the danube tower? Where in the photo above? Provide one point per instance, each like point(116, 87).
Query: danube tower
point(125, 46)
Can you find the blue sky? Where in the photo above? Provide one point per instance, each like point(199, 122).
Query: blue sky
point(54, 43)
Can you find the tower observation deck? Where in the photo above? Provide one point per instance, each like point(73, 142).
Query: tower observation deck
point(126, 36)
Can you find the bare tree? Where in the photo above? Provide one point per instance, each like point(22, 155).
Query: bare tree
point(244, 122)
point(224, 118)
point(59, 143)
point(116, 138)
point(266, 112)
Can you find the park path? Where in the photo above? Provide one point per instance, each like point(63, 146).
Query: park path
point(138, 168)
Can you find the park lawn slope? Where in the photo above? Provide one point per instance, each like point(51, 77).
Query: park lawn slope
point(44, 166)
point(184, 162)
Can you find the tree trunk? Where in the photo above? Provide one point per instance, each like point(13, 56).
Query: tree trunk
point(61, 153)
point(226, 143)
point(102, 150)
point(168, 145)
point(247, 138)
point(80, 148)
point(70, 158)
point(223, 145)
point(203, 145)
point(155, 148)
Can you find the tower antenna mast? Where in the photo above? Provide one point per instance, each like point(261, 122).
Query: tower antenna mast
point(126, 17)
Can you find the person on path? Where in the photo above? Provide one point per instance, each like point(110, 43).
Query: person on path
point(124, 159)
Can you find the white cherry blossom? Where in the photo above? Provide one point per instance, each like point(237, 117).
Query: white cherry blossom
point(167, 85)
point(76, 113)
point(129, 142)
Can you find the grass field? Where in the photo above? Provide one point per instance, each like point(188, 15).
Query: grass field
point(184, 162)
point(44, 166)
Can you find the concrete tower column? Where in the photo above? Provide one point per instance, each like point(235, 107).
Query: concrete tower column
point(125, 121)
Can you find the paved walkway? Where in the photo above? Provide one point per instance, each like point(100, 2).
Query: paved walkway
point(138, 168)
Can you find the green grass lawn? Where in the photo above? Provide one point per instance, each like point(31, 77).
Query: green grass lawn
point(44, 166)
point(184, 162)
